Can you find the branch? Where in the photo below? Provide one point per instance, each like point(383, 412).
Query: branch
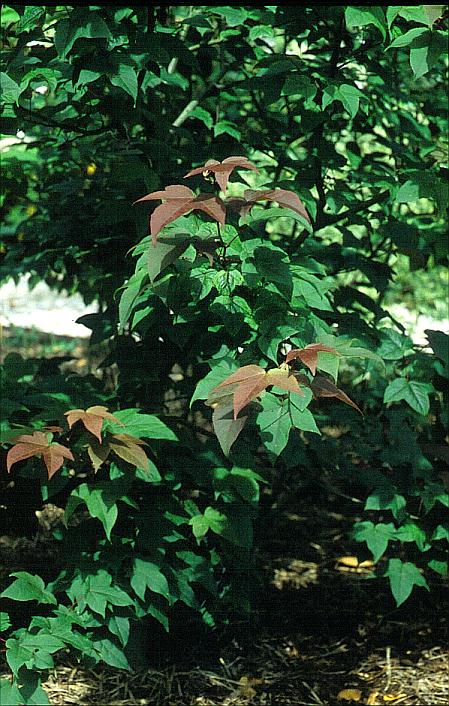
point(328, 220)
point(37, 119)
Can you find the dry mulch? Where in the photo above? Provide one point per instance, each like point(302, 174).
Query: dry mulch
point(320, 634)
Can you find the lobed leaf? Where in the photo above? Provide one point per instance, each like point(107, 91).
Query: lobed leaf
point(92, 418)
point(309, 355)
point(322, 387)
point(179, 200)
point(38, 444)
point(222, 170)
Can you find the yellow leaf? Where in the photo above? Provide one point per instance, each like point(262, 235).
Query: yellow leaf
point(349, 695)
point(372, 699)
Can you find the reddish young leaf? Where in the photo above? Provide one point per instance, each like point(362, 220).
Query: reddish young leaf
point(248, 382)
point(222, 170)
point(247, 391)
point(285, 198)
point(92, 418)
point(322, 387)
point(243, 374)
point(251, 382)
point(309, 355)
point(178, 201)
point(54, 457)
point(38, 444)
point(129, 449)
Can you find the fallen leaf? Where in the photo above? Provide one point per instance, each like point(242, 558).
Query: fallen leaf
point(351, 561)
point(372, 699)
point(390, 698)
point(349, 695)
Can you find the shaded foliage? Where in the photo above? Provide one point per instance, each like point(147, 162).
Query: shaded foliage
point(336, 120)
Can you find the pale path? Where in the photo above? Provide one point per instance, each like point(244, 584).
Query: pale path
point(43, 310)
point(50, 312)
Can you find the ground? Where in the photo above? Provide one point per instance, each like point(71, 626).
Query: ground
point(321, 632)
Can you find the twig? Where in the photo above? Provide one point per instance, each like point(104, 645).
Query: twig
point(184, 114)
point(388, 667)
point(314, 694)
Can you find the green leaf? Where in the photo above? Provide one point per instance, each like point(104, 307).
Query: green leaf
point(83, 24)
point(298, 84)
point(5, 622)
point(10, 694)
point(140, 425)
point(440, 567)
point(426, 51)
point(238, 527)
point(440, 532)
point(403, 576)
point(375, 536)
point(112, 654)
point(264, 214)
point(433, 493)
point(304, 419)
point(28, 587)
point(416, 394)
point(408, 38)
point(100, 503)
point(218, 373)
point(348, 95)
point(410, 532)
point(129, 295)
point(119, 626)
point(387, 499)
point(234, 526)
point(274, 423)
point(126, 78)
point(32, 650)
point(225, 127)
point(394, 346)
point(30, 20)
point(364, 16)
point(226, 428)
point(212, 519)
point(9, 89)
point(203, 115)
point(310, 288)
point(96, 591)
point(147, 574)
point(411, 13)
